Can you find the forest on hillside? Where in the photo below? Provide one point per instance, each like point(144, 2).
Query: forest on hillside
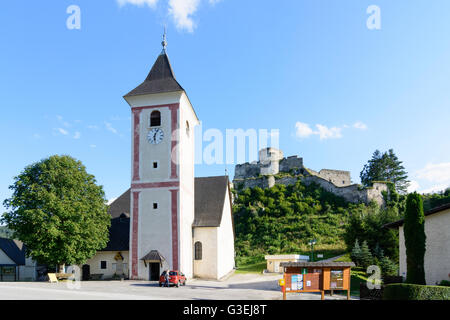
point(283, 219)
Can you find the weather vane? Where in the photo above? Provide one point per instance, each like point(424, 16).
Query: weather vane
point(164, 42)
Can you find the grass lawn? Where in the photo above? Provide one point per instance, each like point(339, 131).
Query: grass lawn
point(250, 265)
point(252, 268)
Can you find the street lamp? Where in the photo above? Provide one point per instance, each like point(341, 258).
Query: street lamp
point(312, 243)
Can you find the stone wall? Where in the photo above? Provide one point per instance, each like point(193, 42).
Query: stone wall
point(247, 170)
point(338, 177)
point(291, 163)
point(352, 193)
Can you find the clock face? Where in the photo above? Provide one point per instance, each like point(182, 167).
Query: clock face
point(155, 136)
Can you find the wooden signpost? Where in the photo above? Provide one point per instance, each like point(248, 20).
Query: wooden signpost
point(300, 277)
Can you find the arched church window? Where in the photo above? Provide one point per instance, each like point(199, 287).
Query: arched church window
point(155, 119)
point(198, 250)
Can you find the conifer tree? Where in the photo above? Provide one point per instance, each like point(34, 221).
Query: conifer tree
point(356, 253)
point(385, 167)
point(414, 232)
point(366, 255)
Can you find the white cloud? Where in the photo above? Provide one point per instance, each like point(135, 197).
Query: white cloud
point(360, 125)
point(109, 127)
point(435, 189)
point(435, 177)
point(140, 3)
point(328, 133)
point(62, 131)
point(77, 135)
point(303, 130)
point(413, 186)
point(182, 11)
point(436, 173)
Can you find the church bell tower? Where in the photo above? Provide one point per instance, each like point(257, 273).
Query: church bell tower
point(162, 174)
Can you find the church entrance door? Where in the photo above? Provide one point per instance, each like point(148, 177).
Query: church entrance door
point(154, 271)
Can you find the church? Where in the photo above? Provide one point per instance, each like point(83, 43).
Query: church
point(168, 218)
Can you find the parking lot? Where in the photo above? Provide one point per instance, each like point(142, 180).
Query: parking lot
point(237, 287)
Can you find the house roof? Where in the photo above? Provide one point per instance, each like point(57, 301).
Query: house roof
point(120, 205)
point(161, 79)
point(210, 195)
point(119, 234)
point(153, 255)
point(317, 264)
point(14, 249)
point(399, 223)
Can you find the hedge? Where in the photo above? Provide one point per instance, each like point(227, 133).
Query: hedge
point(404, 291)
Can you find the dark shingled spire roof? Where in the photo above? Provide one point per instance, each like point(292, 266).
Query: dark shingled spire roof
point(161, 79)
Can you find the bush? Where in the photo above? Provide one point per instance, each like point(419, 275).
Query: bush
point(403, 291)
point(445, 283)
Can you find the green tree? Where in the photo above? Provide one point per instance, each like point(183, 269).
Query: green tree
point(58, 211)
point(385, 167)
point(415, 238)
point(366, 255)
point(388, 267)
point(356, 253)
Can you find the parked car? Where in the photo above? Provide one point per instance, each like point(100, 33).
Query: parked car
point(176, 278)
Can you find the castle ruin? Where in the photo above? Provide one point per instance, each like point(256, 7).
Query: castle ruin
point(273, 168)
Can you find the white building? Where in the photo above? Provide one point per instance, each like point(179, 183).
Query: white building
point(175, 221)
point(437, 254)
point(14, 265)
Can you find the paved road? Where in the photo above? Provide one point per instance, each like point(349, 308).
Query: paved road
point(237, 287)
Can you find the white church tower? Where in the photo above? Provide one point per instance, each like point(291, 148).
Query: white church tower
point(162, 182)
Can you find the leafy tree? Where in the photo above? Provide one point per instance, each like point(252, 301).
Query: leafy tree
point(385, 167)
point(414, 231)
point(431, 201)
point(58, 211)
point(366, 224)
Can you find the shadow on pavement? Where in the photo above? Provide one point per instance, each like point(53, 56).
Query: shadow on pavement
point(260, 285)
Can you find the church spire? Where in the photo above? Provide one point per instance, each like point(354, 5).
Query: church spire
point(161, 78)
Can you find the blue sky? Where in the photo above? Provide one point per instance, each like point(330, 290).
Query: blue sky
point(336, 90)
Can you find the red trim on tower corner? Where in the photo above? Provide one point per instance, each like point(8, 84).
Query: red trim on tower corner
point(137, 120)
point(134, 241)
point(174, 147)
point(174, 194)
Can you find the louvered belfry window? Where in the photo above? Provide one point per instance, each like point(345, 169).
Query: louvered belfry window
point(155, 119)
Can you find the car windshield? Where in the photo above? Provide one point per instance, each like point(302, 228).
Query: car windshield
point(172, 273)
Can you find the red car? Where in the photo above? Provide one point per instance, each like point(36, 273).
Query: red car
point(176, 278)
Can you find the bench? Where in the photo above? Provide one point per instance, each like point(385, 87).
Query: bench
point(95, 276)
